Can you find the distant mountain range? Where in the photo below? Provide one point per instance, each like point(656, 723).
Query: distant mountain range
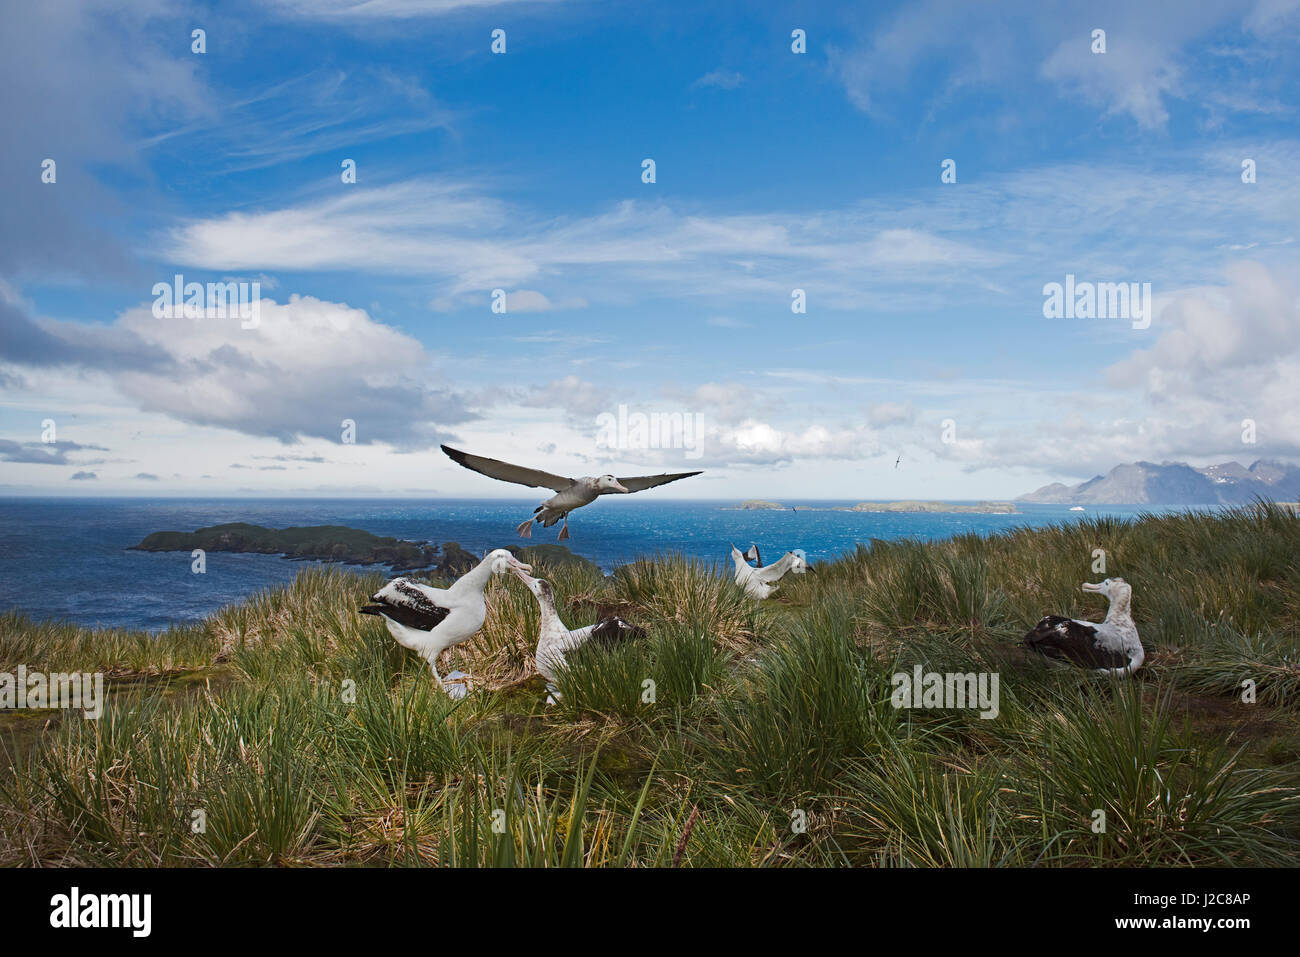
point(1177, 483)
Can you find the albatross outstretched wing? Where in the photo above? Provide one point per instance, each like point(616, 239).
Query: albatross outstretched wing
point(505, 472)
point(639, 483)
point(775, 571)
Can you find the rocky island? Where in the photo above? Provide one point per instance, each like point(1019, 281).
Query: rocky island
point(324, 543)
point(980, 508)
point(339, 543)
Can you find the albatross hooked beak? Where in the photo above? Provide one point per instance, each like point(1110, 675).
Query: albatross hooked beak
point(620, 487)
point(1098, 587)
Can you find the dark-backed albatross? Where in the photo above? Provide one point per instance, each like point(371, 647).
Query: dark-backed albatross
point(430, 620)
point(571, 493)
point(1109, 647)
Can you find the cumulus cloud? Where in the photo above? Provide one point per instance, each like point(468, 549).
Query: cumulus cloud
point(1221, 355)
point(307, 366)
point(83, 476)
point(760, 443)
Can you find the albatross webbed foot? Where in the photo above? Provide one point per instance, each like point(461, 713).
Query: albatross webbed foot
point(525, 530)
point(564, 530)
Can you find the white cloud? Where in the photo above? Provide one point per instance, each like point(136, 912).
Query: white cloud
point(1142, 69)
point(1136, 75)
point(721, 79)
point(1221, 355)
point(307, 366)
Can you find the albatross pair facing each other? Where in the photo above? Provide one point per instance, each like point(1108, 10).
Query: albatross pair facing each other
point(571, 493)
point(430, 620)
point(760, 582)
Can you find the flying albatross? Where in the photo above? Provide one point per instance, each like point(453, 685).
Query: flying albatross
point(555, 640)
point(571, 492)
point(1111, 647)
point(760, 582)
point(430, 620)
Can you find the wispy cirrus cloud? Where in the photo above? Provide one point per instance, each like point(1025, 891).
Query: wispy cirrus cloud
point(1148, 62)
point(920, 248)
point(721, 79)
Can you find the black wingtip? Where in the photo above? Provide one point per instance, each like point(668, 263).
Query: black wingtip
point(371, 609)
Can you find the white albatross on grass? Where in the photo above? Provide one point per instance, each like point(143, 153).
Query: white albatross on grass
point(571, 493)
point(430, 620)
point(555, 639)
point(1109, 647)
point(760, 582)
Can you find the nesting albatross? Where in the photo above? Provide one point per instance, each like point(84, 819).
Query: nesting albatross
point(571, 492)
point(1110, 647)
point(556, 640)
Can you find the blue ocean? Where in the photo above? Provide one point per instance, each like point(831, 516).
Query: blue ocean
point(68, 558)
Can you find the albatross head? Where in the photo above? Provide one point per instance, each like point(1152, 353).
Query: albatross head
point(1116, 589)
point(503, 561)
point(538, 586)
point(607, 483)
point(799, 564)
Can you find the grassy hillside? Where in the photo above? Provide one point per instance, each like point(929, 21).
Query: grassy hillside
point(305, 735)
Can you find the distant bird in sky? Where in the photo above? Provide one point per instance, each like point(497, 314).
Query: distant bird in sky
point(430, 620)
point(572, 492)
point(1110, 647)
point(897, 460)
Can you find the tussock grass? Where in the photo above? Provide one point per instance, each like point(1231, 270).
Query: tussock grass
point(290, 730)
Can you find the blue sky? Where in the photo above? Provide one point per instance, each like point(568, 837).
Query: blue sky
point(522, 171)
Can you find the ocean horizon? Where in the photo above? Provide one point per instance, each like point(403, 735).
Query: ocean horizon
point(69, 559)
